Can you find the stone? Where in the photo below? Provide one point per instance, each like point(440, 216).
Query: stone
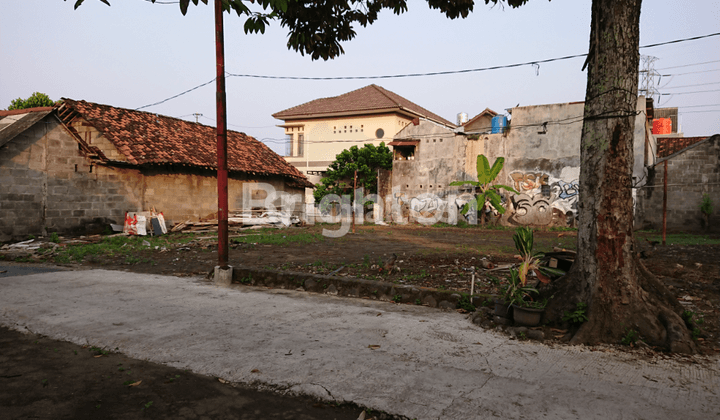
point(501, 321)
point(537, 335)
point(331, 290)
point(446, 305)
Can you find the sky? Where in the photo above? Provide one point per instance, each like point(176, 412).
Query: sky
point(136, 53)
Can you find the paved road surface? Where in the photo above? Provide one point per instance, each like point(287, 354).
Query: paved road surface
point(429, 364)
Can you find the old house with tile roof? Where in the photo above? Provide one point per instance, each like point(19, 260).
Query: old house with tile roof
point(83, 164)
point(318, 130)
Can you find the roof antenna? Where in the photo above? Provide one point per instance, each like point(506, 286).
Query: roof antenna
point(196, 114)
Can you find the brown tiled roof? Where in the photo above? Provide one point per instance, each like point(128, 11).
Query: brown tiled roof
point(369, 98)
point(667, 146)
point(486, 111)
point(146, 138)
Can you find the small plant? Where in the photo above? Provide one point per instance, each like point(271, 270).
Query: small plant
point(630, 338)
point(706, 206)
point(516, 292)
point(246, 280)
point(522, 335)
point(366, 261)
point(578, 316)
point(465, 303)
point(147, 405)
point(397, 298)
point(418, 302)
point(54, 238)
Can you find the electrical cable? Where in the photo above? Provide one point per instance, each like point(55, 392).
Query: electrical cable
point(528, 63)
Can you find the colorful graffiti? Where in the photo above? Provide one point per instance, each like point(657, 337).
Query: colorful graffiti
point(528, 181)
point(543, 199)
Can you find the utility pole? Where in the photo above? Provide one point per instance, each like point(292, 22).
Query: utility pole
point(196, 115)
point(223, 273)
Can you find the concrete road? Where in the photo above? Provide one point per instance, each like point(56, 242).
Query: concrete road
point(427, 364)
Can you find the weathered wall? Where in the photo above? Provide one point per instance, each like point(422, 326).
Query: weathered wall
point(49, 186)
point(439, 160)
point(691, 173)
point(543, 162)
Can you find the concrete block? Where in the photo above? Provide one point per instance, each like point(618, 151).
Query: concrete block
point(223, 276)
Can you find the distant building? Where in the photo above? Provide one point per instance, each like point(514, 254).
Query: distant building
point(318, 130)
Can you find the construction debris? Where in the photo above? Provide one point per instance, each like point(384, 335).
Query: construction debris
point(241, 221)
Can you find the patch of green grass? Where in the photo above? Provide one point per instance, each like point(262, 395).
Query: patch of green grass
point(279, 237)
point(682, 239)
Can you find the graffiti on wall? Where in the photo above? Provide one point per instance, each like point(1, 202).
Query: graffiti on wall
point(528, 181)
point(543, 199)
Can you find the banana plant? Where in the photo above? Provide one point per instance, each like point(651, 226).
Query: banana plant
point(490, 193)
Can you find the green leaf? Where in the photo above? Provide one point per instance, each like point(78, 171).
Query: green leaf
point(184, 6)
point(495, 201)
point(483, 170)
point(496, 168)
point(456, 183)
point(504, 187)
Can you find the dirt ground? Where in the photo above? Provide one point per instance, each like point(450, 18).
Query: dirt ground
point(437, 257)
point(42, 378)
point(47, 379)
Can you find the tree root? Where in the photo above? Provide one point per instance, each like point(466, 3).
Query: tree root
point(651, 311)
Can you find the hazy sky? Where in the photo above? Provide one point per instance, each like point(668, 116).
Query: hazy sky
point(136, 53)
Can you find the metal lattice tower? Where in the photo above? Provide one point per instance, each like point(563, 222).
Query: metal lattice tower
point(648, 76)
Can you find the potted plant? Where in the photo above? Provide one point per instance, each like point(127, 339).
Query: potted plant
point(528, 312)
point(512, 293)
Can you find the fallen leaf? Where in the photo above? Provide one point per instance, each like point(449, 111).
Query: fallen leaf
point(373, 346)
point(135, 383)
point(379, 314)
point(558, 331)
point(222, 381)
point(255, 371)
point(99, 355)
point(478, 343)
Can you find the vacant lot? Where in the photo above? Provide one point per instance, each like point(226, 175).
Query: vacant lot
point(439, 257)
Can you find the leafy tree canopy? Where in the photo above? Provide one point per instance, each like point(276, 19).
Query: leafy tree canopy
point(317, 27)
point(366, 160)
point(35, 100)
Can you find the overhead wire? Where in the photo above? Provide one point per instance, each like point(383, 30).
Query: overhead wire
point(507, 66)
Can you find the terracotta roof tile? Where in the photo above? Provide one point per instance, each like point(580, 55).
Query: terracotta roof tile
point(667, 146)
point(146, 138)
point(369, 98)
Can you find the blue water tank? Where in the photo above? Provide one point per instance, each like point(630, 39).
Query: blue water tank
point(499, 122)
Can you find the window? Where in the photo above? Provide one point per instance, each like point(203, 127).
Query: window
point(301, 144)
point(289, 145)
point(379, 133)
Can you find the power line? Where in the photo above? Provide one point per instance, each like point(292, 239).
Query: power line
point(690, 65)
point(688, 93)
point(690, 72)
point(699, 84)
point(507, 66)
point(173, 97)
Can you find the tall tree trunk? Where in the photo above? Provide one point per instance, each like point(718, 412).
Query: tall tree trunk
point(621, 294)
